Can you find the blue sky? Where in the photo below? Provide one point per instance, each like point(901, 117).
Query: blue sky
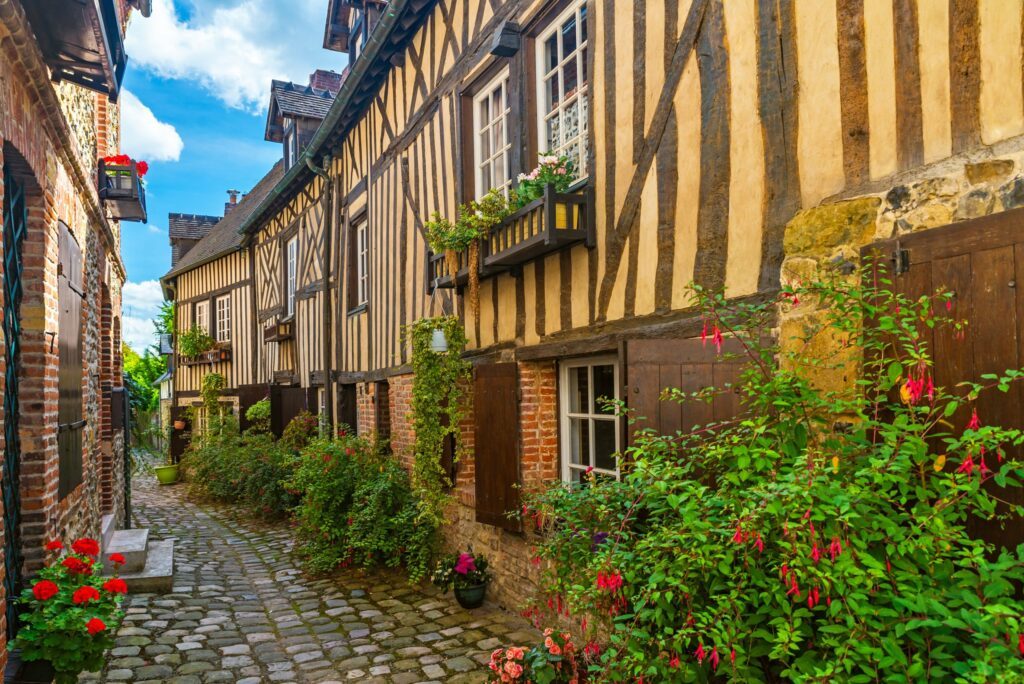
point(194, 106)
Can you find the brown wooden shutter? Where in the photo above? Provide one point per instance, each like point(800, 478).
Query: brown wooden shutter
point(496, 443)
point(70, 414)
point(688, 364)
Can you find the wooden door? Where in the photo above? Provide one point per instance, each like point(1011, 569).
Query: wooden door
point(285, 404)
point(651, 366)
point(179, 438)
point(982, 263)
point(247, 396)
point(496, 443)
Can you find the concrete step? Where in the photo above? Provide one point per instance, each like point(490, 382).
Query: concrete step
point(107, 528)
point(158, 575)
point(132, 545)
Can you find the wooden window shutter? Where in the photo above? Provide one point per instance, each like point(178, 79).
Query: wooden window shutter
point(70, 413)
point(688, 364)
point(496, 443)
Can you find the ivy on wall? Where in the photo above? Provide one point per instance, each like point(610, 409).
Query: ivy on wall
point(437, 408)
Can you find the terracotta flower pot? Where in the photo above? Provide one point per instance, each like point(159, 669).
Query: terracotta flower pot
point(179, 425)
point(471, 597)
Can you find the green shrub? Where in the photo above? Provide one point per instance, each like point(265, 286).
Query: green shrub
point(821, 537)
point(300, 431)
point(358, 509)
point(194, 342)
point(258, 416)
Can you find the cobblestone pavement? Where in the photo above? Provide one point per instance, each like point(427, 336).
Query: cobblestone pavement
point(243, 611)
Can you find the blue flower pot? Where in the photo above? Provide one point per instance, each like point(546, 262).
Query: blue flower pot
point(471, 597)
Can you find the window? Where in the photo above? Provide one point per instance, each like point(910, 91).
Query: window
point(590, 429)
point(291, 144)
point(291, 268)
point(562, 86)
point(491, 146)
point(202, 310)
point(223, 309)
point(362, 265)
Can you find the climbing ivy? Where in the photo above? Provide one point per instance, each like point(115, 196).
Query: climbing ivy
point(437, 409)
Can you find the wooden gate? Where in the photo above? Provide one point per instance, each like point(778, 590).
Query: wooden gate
point(288, 402)
point(982, 263)
point(70, 415)
point(496, 443)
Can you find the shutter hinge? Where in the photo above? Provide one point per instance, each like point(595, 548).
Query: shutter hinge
point(900, 261)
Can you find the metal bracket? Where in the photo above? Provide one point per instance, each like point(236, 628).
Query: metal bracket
point(900, 261)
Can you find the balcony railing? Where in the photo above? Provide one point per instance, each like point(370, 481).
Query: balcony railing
point(121, 191)
point(545, 225)
point(276, 332)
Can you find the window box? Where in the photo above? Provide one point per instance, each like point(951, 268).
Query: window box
point(218, 354)
point(542, 226)
point(121, 191)
point(277, 332)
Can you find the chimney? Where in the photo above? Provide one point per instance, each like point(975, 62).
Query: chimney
point(232, 202)
point(322, 79)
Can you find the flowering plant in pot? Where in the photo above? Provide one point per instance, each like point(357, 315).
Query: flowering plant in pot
point(70, 614)
point(466, 574)
point(552, 169)
point(194, 342)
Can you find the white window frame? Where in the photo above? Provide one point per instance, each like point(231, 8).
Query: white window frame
point(362, 263)
point(581, 94)
point(202, 316)
point(497, 157)
point(291, 274)
point(565, 416)
point(222, 311)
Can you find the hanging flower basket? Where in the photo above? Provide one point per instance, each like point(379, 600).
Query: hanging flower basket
point(121, 188)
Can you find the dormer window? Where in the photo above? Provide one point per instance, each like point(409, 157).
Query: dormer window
point(297, 110)
point(291, 146)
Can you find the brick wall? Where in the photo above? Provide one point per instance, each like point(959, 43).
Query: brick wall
point(510, 554)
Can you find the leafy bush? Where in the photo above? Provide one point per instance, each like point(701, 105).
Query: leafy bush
point(358, 509)
point(194, 342)
point(300, 431)
point(822, 536)
point(258, 416)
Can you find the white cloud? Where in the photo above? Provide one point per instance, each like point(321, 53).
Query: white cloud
point(156, 230)
point(143, 136)
point(140, 304)
point(233, 51)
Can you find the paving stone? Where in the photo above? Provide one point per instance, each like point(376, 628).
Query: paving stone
point(242, 610)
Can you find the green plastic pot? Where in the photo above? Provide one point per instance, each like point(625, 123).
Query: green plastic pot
point(471, 597)
point(167, 474)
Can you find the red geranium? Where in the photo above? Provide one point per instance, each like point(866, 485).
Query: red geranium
point(117, 559)
point(141, 168)
point(45, 590)
point(55, 545)
point(116, 586)
point(85, 594)
point(86, 546)
point(95, 626)
point(76, 567)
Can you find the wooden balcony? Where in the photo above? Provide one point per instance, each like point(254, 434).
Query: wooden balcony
point(545, 225)
point(121, 191)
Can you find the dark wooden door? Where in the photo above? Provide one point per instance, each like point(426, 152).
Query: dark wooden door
point(347, 412)
point(982, 263)
point(496, 443)
point(179, 438)
point(247, 396)
point(285, 404)
point(70, 414)
point(651, 366)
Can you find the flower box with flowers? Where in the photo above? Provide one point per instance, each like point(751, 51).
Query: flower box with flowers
point(70, 613)
point(121, 188)
point(466, 574)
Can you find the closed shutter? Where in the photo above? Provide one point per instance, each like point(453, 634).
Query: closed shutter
point(496, 443)
point(70, 415)
point(690, 365)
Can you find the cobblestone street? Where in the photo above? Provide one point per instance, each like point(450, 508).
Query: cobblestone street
point(243, 611)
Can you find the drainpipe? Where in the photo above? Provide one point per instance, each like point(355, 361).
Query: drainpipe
point(328, 337)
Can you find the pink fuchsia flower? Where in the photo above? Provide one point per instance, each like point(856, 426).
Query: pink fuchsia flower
point(701, 655)
point(967, 466)
point(610, 581)
point(835, 548)
point(732, 655)
point(673, 662)
point(815, 553)
point(714, 658)
point(738, 537)
point(975, 422)
point(465, 564)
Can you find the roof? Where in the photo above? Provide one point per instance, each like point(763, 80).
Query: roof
point(224, 237)
point(190, 226)
point(397, 26)
point(297, 101)
point(163, 378)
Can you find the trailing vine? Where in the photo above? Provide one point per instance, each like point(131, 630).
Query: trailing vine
point(437, 409)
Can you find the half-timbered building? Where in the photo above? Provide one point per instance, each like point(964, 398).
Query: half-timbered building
point(731, 144)
point(63, 412)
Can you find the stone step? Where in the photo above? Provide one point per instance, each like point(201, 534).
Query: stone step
point(107, 528)
point(132, 545)
point(158, 575)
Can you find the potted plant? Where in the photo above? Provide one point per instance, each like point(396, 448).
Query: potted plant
point(168, 473)
point(555, 170)
point(467, 575)
point(194, 342)
point(71, 613)
point(180, 424)
point(554, 661)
